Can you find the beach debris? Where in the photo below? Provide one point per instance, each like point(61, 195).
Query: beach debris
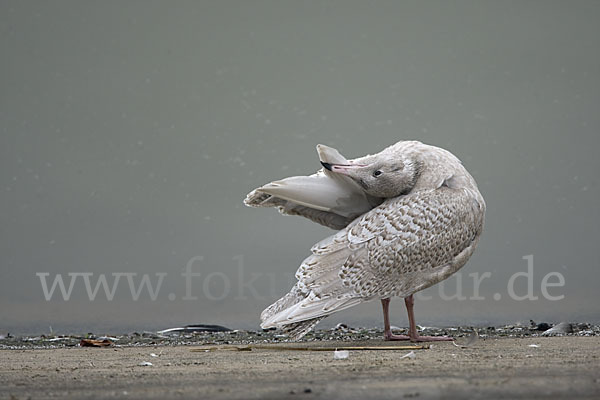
point(248, 337)
point(581, 329)
point(340, 354)
point(195, 328)
point(471, 340)
point(533, 345)
point(343, 328)
point(542, 326)
point(111, 338)
point(561, 329)
point(58, 339)
point(145, 364)
point(95, 343)
point(410, 355)
point(153, 355)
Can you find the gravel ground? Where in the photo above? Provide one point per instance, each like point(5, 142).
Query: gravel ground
point(505, 362)
point(339, 333)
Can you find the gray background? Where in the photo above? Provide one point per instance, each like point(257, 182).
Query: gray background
point(130, 132)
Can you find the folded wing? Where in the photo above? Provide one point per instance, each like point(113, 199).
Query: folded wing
point(404, 245)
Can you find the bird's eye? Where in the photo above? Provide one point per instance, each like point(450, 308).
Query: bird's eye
point(377, 173)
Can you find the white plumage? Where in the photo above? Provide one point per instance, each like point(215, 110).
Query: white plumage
point(409, 217)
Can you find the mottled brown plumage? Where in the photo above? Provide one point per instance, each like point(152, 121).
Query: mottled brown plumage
point(424, 218)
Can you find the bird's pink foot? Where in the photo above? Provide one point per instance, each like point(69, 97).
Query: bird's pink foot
point(390, 336)
point(431, 339)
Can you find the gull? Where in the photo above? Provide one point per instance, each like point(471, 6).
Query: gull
point(407, 217)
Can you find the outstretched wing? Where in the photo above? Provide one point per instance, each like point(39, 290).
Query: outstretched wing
point(400, 247)
point(327, 198)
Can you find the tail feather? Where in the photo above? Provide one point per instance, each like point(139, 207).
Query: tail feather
point(318, 293)
point(295, 296)
point(310, 307)
point(297, 330)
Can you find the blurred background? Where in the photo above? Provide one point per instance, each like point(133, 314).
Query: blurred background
point(131, 131)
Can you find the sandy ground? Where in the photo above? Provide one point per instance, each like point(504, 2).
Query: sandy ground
point(561, 367)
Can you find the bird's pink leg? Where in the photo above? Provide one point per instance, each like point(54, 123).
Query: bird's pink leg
point(412, 330)
point(387, 331)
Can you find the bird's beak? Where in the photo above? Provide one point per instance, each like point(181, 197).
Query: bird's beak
point(344, 169)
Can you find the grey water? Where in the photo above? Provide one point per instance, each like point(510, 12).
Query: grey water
point(130, 132)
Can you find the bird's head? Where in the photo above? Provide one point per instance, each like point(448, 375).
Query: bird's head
point(385, 177)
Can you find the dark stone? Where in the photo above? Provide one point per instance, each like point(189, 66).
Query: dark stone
point(542, 326)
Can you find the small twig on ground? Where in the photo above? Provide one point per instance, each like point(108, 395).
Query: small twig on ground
point(251, 347)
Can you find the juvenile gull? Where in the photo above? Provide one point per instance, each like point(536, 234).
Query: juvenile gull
point(408, 217)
